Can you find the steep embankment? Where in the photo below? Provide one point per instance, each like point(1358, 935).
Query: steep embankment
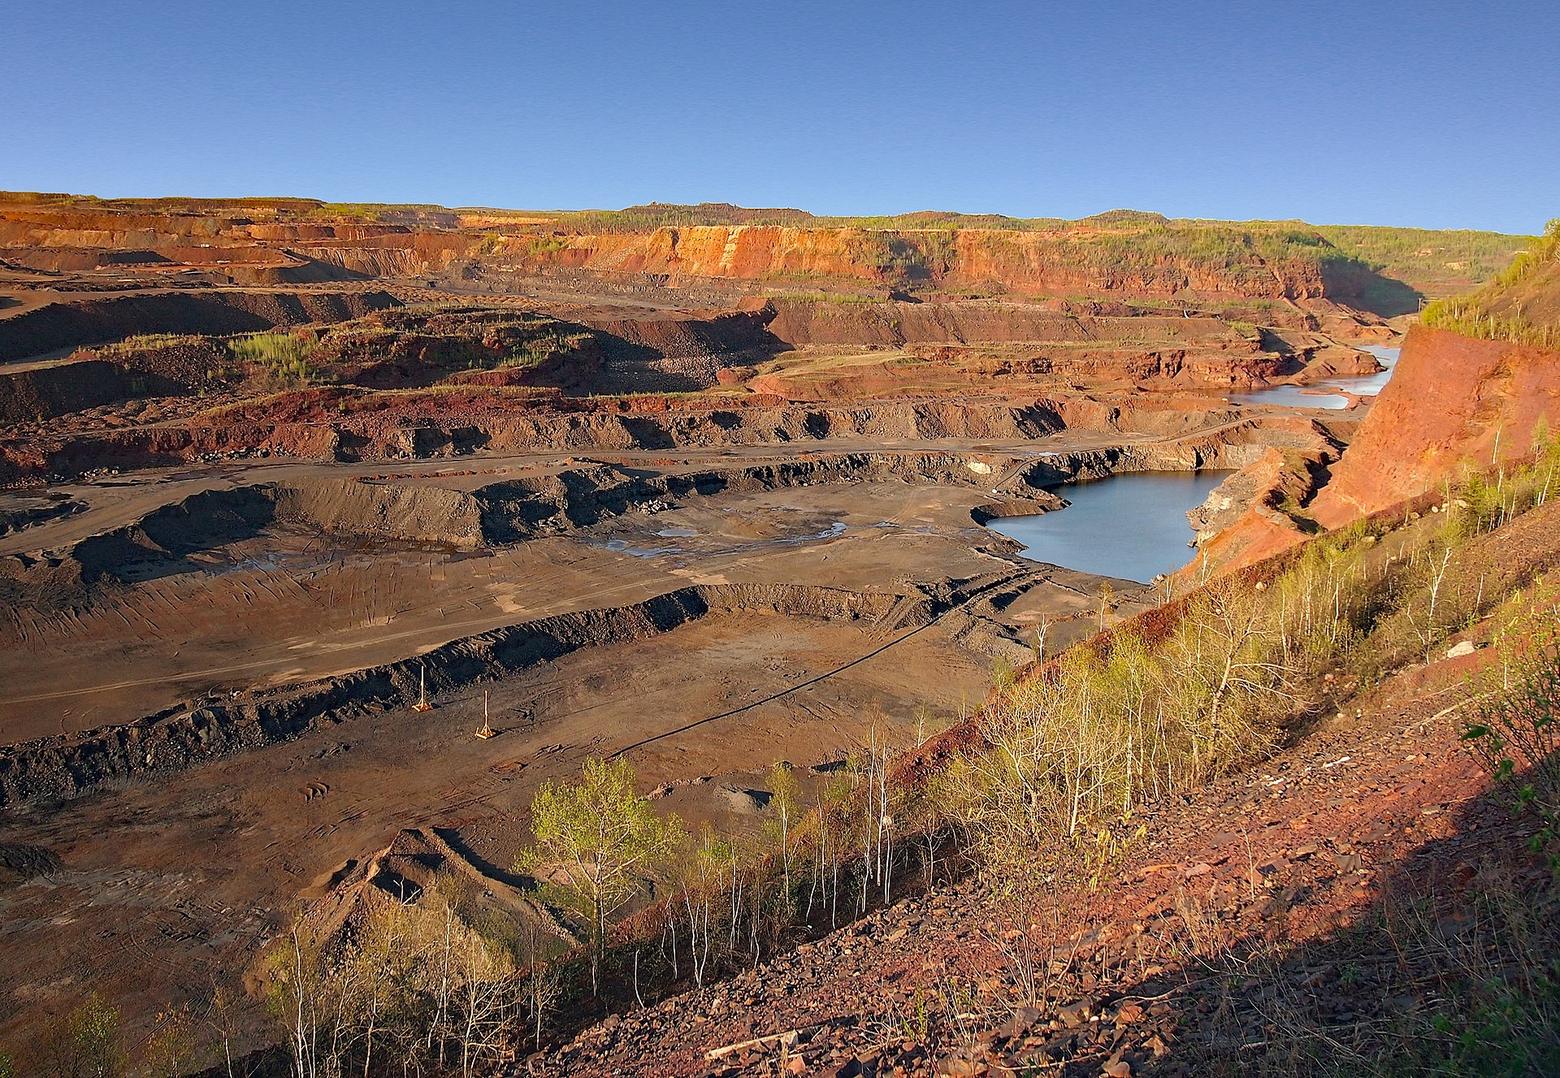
point(71, 323)
point(311, 426)
point(398, 512)
point(46, 391)
point(1476, 386)
point(1060, 263)
point(1242, 906)
point(230, 241)
point(1474, 389)
point(1453, 403)
point(509, 510)
point(200, 730)
point(821, 319)
point(339, 425)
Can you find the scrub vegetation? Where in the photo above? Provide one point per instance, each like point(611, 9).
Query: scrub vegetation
point(1515, 306)
point(282, 359)
point(1044, 788)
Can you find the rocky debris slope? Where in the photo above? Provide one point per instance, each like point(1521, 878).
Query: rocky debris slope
point(1236, 904)
point(72, 323)
point(416, 863)
point(64, 766)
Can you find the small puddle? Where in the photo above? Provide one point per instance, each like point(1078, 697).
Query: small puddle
point(832, 531)
point(1316, 395)
point(712, 545)
point(619, 546)
point(1131, 527)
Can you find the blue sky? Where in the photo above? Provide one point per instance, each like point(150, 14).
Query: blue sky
point(1436, 114)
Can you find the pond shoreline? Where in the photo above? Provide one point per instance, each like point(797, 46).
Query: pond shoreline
point(1132, 526)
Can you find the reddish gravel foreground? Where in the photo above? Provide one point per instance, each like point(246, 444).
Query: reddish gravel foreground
point(1278, 860)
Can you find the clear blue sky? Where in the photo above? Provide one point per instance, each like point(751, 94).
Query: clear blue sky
point(1433, 113)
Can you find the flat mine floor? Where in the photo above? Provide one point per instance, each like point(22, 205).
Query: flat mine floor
point(171, 884)
point(289, 605)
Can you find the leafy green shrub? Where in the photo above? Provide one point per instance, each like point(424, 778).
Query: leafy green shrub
point(1075, 751)
point(281, 357)
point(413, 989)
point(541, 246)
point(1484, 501)
point(1469, 316)
point(600, 838)
point(1515, 729)
point(86, 1043)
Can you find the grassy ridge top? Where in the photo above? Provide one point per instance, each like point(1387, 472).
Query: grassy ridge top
point(1521, 304)
point(1437, 262)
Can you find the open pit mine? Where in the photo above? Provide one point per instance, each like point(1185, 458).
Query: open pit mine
point(330, 536)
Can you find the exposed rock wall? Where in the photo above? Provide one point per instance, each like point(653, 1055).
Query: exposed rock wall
point(1025, 262)
point(324, 425)
point(310, 429)
point(1066, 261)
point(1453, 403)
point(802, 321)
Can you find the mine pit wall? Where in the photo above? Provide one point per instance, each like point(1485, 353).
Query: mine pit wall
point(498, 513)
point(349, 440)
point(46, 392)
point(432, 243)
point(1192, 455)
point(178, 366)
point(204, 520)
point(380, 511)
point(1023, 262)
point(1256, 471)
point(64, 766)
point(893, 324)
point(1452, 400)
point(697, 334)
point(781, 425)
point(61, 325)
point(509, 511)
point(679, 354)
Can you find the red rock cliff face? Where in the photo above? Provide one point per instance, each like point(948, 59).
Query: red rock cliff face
point(1451, 400)
point(1063, 262)
point(1025, 262)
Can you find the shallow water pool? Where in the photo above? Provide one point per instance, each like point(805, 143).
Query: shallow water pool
point(1131, 526)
